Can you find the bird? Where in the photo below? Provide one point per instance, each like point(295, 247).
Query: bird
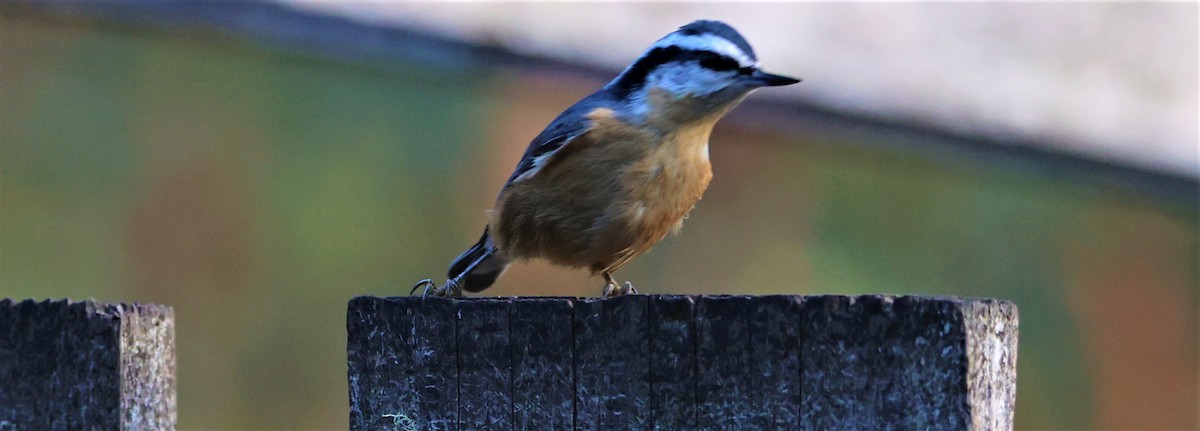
point(619, 170)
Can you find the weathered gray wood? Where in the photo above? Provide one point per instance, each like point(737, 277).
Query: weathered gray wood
point(678, 362)
point(86, 365)
point(543, 382)
point(612, 361)
point(484, 365)
point(403, 371)
point(747, 361)
point(992, 362)
point(672, 362)
point(873, 362)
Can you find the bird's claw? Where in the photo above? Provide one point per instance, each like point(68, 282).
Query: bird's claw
point(451, 289)
point(613, 290)
point(426, 283)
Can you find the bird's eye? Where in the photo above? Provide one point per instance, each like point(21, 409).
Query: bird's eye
point(745, 70)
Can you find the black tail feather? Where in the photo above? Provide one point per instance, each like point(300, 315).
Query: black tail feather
point(479, 266)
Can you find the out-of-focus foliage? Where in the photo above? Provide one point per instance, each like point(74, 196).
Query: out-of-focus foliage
point(256, 191)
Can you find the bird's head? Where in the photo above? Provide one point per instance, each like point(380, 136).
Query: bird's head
point(701, 69)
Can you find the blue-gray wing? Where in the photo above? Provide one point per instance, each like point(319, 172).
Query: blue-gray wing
point(568, 125)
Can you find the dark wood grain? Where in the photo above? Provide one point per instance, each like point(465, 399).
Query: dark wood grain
point(747, 361)
point(872, 362)
point(86, 365)
point(682, 363)
point(485, 398)
point(543, 382)
point(672, 362)
point(402, 368)
point(612, 361)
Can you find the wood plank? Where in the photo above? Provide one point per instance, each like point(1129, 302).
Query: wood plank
point(612, 360)
point(748, 362)
point(872, 362)
point(672, 362)
point(485, 365)
point(402, 369)
point(86, 365)
point(543, 384)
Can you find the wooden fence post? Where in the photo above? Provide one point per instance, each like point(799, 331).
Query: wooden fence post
point(682, 362)
point(86, 365)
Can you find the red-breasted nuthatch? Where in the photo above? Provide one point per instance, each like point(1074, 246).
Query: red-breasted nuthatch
point(619, 170)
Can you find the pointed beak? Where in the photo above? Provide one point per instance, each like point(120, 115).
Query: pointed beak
point(765, 79)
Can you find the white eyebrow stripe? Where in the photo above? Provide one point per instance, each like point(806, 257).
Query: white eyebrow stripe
point(707, 42)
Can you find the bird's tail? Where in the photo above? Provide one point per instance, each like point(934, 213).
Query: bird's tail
point(479, 266)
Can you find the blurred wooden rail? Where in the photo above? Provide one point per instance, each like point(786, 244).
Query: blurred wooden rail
point(682, 362)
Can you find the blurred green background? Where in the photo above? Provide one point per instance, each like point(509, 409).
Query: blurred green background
point(256, 188)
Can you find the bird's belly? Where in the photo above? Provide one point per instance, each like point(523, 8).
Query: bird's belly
point(599, 208)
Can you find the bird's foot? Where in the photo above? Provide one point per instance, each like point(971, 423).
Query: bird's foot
point(452, 288)
point(613, 290)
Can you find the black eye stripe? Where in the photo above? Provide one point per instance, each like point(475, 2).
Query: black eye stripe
point(636, 75)
point(707, 59)
point(718, 62)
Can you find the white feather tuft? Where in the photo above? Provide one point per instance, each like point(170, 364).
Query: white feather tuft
point(707, 42)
